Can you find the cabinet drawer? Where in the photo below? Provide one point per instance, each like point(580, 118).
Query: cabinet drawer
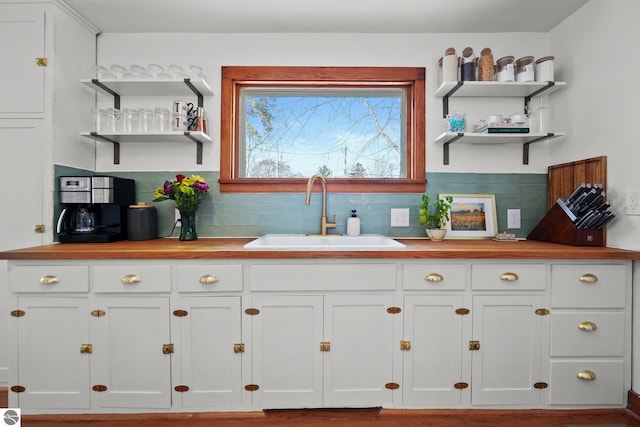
point(587, 334)
point(434, 277)
point(319, 277)
point(133, 278)
point(588, 286)
point(607, 388)
point(505, 277)
point(25, 278)
point(209, 278)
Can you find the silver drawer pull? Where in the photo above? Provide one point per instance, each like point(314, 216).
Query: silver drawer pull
point(587, 326)
point(209, 279)
point(586, 375)
point(131, 279)
point(588, 278)
point(434, 277)
point(49, 280)
point(509, 277)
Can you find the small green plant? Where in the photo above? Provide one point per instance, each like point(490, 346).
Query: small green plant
point(435, 215)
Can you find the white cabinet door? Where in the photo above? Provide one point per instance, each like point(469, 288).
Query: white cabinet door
point(129, 355)
point(22, 149)
point(208, 363)
point(433, 363)
point(507, 364)
point(285, 346)
point(53, 370)
point(22, 31)
point(359, 364)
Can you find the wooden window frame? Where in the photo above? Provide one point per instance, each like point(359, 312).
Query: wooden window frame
point(235, 78)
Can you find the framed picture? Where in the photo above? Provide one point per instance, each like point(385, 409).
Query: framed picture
point(472, 216)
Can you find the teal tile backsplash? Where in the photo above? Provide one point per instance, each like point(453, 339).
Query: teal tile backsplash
point(249, 214)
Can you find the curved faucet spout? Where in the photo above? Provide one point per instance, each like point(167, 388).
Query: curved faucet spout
point(324, 224)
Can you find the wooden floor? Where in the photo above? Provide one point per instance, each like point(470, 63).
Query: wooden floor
point(346, 417)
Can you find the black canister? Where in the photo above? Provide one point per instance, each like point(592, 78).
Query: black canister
point(142, 222)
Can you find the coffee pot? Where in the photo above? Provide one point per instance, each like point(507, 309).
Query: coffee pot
point(84, 221)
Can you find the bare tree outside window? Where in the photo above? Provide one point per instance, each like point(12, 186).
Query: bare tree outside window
point(354, 133)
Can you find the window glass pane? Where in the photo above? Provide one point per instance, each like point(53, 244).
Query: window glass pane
point(339, 132)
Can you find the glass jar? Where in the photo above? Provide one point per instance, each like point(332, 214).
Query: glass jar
point(485, 65)
point(450, 66)
point(467, 65)
point(504, 66)
point(145, 117)
point(524, 69)
point(544, 69)
point(129, 120)
point(161, 119)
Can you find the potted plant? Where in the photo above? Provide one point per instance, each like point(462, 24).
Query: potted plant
point(435, 216)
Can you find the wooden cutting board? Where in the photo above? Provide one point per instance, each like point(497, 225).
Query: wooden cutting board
point(563, 178)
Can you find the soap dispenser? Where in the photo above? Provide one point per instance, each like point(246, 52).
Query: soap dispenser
point(353, 224)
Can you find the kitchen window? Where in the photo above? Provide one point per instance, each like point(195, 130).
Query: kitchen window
point(362, 128)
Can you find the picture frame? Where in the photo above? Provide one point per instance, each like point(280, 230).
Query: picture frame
point(472, 216)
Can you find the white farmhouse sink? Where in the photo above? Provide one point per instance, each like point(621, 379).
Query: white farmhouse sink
point(333, 242)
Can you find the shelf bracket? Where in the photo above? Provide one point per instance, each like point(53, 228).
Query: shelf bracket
point(527, 99)
point(525, 146)
point(196, 91)
point(445, 99)
point(198, 147)
point(116, 97)
point(445, 148)
point(116, 146)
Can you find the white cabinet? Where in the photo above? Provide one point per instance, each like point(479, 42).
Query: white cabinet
point(53, 372)
point(21, 79)
point(285, 347)
point(209, 348)
point(49, 327)
point(131, 361)
point(506, 362)
point(433, 350)
point(101, 336)
point(590, 334)
point(313, 350)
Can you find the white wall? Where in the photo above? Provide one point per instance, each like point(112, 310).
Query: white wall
point(215, 50)
point(598, 44)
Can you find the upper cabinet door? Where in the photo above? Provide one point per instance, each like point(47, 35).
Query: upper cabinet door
point(22, 31)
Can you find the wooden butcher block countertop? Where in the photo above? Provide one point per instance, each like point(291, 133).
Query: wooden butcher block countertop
point(232, 248)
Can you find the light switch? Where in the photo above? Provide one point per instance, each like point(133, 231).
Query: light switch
point(513, 219)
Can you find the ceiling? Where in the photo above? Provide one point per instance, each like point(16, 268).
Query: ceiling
point(325, 16)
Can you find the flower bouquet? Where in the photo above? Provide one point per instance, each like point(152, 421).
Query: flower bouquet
point(187, 192)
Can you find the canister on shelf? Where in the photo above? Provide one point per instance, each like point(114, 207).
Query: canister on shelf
point(450, 66)
point(467, 65)
point(504, 66)
point(545, 69)
point(524, 69)
point(485, 65)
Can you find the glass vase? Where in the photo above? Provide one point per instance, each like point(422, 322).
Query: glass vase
point(188, 225)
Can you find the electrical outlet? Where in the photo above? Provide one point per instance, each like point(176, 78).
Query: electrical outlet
point(177, 217)
point(632, 203)
point(513, 219)
point(400, 217)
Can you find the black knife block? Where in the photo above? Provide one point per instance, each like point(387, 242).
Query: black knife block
point(557, 227)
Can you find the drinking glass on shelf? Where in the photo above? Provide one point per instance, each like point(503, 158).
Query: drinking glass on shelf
point(195, 71)
point(118, 70)
point(161, 119)
point(145, 117)
point(154, 70)
point(129, 120)
point(175, 71)
point(110, 124)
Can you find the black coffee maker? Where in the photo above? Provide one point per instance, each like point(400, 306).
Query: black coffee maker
point(94, 208)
